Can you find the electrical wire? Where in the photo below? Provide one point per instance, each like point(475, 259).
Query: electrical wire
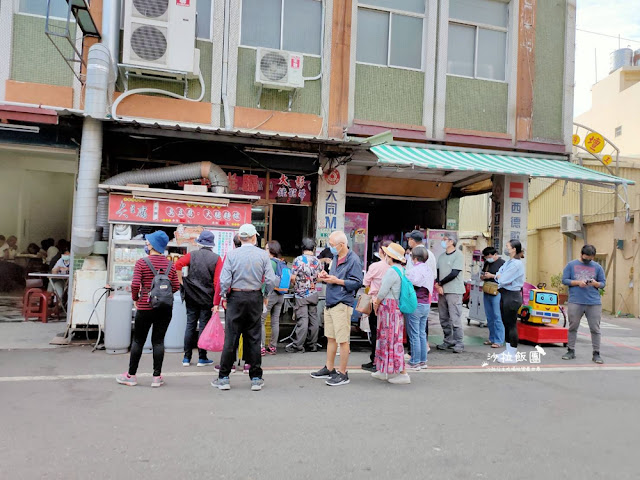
point(95, 305)
point(135, 91)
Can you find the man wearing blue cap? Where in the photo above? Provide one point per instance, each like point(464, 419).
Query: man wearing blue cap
point(147, 316)
point(245, 272)
point(198, 287)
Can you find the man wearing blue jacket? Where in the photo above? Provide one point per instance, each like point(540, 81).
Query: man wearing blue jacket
point(584, 278)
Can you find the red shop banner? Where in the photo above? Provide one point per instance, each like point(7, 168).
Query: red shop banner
point(127, 209)
point(284, 189)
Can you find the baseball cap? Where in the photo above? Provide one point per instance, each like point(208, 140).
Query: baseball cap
point(415, 235)
point(247, 231)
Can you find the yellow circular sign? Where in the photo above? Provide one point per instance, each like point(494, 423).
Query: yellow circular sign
point(607, 159)
point(576, 139)
point(594, 142)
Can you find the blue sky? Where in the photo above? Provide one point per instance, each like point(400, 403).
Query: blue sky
point(612, 17)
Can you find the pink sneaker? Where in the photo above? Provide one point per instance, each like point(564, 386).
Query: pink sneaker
point(263, 351)
point(246, 368)
point(126, 379)
point(157, 381)
point(272, 350)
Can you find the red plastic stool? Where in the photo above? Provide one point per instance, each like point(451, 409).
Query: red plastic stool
point(40, 304)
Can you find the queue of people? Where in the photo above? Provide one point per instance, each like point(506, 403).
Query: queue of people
point(248, 283)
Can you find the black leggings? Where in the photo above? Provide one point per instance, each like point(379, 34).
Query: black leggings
point(159, 318)
point(510, 302)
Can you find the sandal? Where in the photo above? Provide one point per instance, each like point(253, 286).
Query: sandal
point(488, 342)
point(495, 345)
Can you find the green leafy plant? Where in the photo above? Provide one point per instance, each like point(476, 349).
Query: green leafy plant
point(556, 284)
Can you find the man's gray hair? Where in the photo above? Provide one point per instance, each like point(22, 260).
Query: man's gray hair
point(453, 237)
point(339, 236)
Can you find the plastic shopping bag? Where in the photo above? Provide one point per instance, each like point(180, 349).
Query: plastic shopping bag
point(212, 337)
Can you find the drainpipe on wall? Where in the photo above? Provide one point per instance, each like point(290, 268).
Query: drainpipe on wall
point(225, 65)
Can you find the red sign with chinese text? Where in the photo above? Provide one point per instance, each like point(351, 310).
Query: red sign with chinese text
point(127, 209)
point(294, 186)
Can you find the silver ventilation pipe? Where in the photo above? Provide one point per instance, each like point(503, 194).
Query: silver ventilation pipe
point(175, 173)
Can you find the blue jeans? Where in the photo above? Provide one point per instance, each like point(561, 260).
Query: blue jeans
point(494, 318)
point(416, 328)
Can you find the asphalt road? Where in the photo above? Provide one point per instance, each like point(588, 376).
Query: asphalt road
point(64, 417)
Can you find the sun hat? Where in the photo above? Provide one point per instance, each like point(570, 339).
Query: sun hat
point(247, 231)
point(395, 251)
point(158, 240)
point(206, 239)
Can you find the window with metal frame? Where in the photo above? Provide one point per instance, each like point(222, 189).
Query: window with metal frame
point(292, 25)
point(478, 31)
point(59, 8)
point(390, 33)
point(203, 19)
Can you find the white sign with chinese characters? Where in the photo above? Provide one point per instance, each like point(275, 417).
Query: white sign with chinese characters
point(510, 210)
point(332, 194)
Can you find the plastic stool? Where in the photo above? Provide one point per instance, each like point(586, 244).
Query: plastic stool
point(40, 304)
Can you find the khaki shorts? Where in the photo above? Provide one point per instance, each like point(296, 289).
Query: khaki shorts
point(337, 322)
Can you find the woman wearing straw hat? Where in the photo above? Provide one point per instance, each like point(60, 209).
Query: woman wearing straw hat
point(389, 349)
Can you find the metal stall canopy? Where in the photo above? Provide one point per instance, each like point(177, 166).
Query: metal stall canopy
point(475, 162)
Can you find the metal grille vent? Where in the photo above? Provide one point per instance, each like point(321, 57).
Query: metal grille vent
point(273, 66)
point(151, 8)
point(149, 42)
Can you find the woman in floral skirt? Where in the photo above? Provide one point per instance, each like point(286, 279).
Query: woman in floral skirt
point(389, 349)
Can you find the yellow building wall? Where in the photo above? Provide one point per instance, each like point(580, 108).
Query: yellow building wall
point(474, 213)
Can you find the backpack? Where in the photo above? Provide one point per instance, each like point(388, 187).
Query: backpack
point(283, 277)
point(161, 293)
point(408, 301)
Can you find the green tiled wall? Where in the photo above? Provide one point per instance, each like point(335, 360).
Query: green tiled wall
point(386, 94)
point(34, 58)
point(476, 105)
point(307, 100)
point(548, 86)
point(206, 59)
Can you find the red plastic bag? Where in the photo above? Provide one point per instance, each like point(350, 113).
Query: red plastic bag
point(212, 337)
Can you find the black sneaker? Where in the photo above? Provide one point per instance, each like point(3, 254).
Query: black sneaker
point(324, 372)
point(597, 358)
point(338, 379)
point(311, 348)
point(444, 346)
point(293, 349)
point(570, 355)
point(369, 367)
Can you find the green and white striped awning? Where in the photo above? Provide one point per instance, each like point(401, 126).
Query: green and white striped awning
point(456, 160)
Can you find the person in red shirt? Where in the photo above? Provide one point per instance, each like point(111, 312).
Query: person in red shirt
point(146, 315)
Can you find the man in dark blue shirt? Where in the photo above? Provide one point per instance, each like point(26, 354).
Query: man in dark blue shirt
point(343, 281)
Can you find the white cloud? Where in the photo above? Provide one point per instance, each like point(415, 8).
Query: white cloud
point(615, 18)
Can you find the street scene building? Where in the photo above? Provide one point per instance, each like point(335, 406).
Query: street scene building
point(290, 125)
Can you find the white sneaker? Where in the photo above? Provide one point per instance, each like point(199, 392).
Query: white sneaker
point(401, 379)
point(510, 355)
point(379, 376)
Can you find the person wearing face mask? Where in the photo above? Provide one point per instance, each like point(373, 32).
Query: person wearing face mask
point(450, 288)
point(343, 281)
point(422, 277)
point(492, 263)
point(390, 363)
point(146, 315)
point(246, 281)
point(510, 279)
point(584, 278)
point(198, 288)
point(373, 279)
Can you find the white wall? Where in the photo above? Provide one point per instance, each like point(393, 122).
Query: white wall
point(36, 194)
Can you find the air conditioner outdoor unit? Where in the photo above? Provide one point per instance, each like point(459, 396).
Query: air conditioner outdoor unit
point(280, 70)
point(160, 35)
point(569, 224)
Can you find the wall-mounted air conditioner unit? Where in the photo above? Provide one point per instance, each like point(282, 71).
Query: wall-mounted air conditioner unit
point(280, 70)
point(569, 224)
point(160, 35)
